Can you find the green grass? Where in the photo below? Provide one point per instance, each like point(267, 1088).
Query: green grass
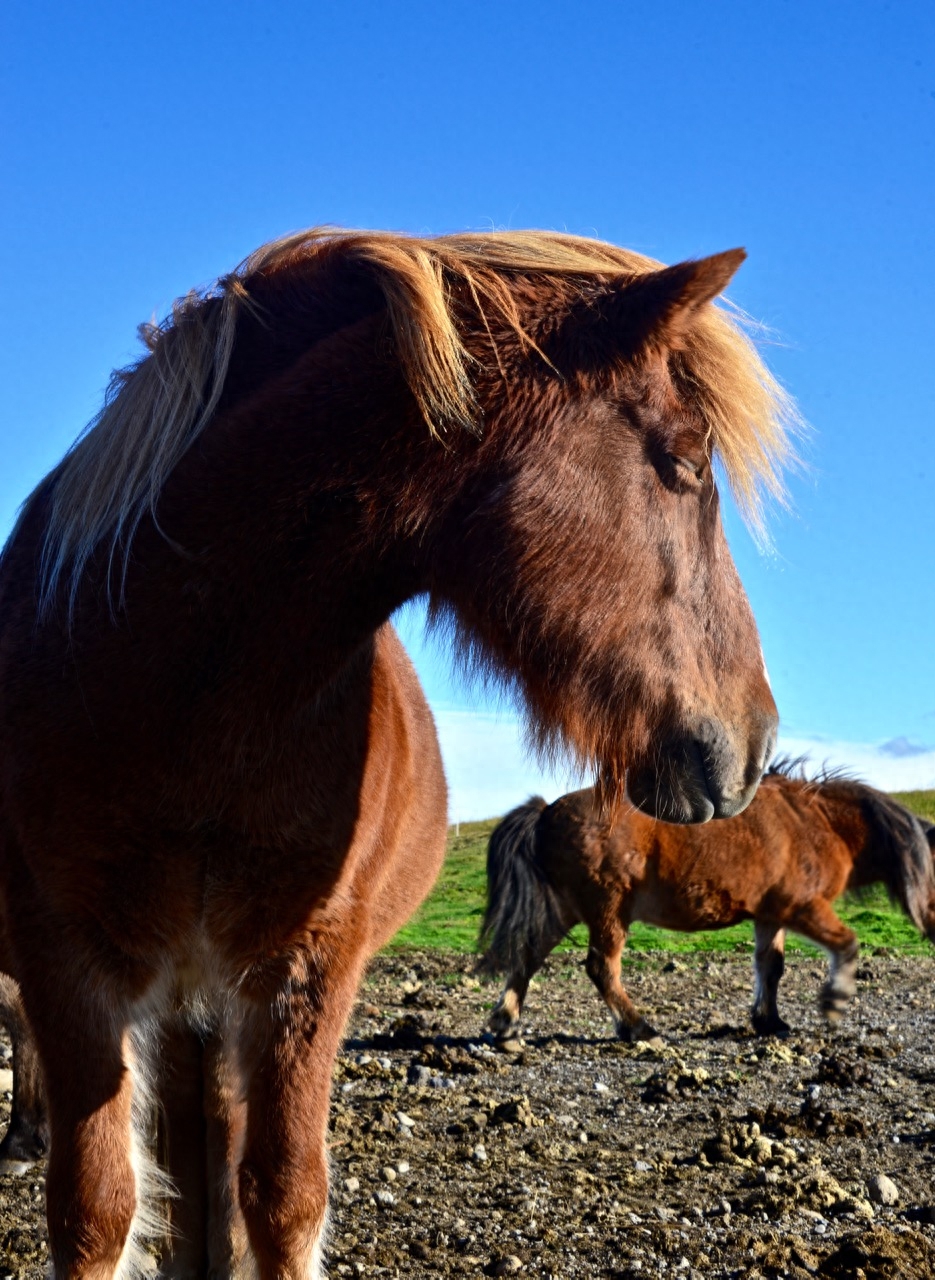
point(450, 919)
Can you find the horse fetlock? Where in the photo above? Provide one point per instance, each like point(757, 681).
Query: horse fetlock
point(833, 1003)
point(505, 1014)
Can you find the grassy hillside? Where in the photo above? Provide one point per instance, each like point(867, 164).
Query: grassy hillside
point(451, 917)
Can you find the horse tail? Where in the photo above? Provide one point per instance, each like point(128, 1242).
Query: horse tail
point(523, 920)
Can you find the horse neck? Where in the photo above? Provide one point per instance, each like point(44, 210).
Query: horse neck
point(306, 508)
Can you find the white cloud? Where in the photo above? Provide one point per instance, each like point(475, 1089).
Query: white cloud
point(489, 770)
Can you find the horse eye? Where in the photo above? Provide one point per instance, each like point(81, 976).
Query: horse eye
point(693, 465)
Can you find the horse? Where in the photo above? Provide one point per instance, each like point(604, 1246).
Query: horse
point(26, 1140)
point(520, 427)
point(782, 863)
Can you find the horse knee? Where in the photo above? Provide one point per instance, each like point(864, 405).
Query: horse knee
point(597, 968)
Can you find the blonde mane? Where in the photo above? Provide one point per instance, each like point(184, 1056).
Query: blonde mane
point(155, 409)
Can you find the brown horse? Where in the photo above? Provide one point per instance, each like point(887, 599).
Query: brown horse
point(208, 736)
point(782, 863)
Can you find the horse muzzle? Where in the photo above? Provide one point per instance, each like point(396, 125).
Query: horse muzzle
point(704, 775)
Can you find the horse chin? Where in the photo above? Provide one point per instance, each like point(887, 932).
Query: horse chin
point(688, 783)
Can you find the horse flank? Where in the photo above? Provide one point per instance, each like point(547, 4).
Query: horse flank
point(155, 409)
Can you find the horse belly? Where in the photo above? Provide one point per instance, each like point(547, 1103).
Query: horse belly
point(687, 909)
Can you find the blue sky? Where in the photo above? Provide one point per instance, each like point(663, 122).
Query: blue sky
point(145, 149)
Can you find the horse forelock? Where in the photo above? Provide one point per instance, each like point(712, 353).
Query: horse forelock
point(155, 409)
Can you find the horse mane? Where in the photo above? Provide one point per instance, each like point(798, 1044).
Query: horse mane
point(155, 409)
point(898, 838)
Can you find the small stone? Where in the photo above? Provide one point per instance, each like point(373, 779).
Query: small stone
point(642, 1166)
point(882, 1190)
point(402, 1166)
point(352, 1185)
point(507, 1266)
point(479, 1153)
point(407, 1122)
point(582, 1137)
point(601, 1087)
point(388, 1173)
point(384, 1198)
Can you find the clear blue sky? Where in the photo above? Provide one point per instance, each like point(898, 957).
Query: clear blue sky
point(145, 149)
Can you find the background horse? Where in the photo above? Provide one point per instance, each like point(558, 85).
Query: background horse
point(27, 1137)
point(782, 863)
point(192, 645)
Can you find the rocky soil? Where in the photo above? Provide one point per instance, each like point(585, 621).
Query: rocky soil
point(712, 1154)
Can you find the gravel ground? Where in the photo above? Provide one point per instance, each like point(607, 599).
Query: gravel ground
point(712, 1154)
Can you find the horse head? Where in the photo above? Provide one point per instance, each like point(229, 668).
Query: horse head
point(585, 556)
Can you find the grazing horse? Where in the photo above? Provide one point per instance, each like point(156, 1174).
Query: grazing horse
point(208, 735)
point(782, 863)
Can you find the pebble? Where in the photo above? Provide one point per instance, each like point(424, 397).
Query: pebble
point(601, 1087)
point(507, 1266)
point(384, 1198)
point(642, 1166)
point(479, 1153)
point(402, 1166)
point(407, 1122)
point(882, 1190)
point(352, 1185)
point(388, 1173)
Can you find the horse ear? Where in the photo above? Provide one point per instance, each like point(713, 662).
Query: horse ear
point(664, 305)
point(655, 310)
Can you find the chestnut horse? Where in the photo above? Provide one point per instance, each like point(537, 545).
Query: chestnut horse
point(782, 863)
point(208, 734)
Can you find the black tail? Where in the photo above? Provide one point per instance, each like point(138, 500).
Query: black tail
point(524, 920)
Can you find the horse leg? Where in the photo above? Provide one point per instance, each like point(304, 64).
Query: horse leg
point(27, 1138)
point(505, 1015)
point(605, 948)
point(226, 1120)
point(769, 963)
point(95, 1163)
point(818, 922)
point(183, 1150)
point(289, 1040)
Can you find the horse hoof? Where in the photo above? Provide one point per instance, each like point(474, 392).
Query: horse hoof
point(764, 1026)
point(641, 1030)
point(510, 1044)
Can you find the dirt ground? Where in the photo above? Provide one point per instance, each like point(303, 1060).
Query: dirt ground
point(711, 1155)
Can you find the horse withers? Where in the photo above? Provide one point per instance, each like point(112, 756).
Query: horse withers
point(782, 863)
point(521, 427)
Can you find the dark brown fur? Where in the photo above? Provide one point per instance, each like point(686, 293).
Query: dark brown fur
point(782, 863)
point(219, 785)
